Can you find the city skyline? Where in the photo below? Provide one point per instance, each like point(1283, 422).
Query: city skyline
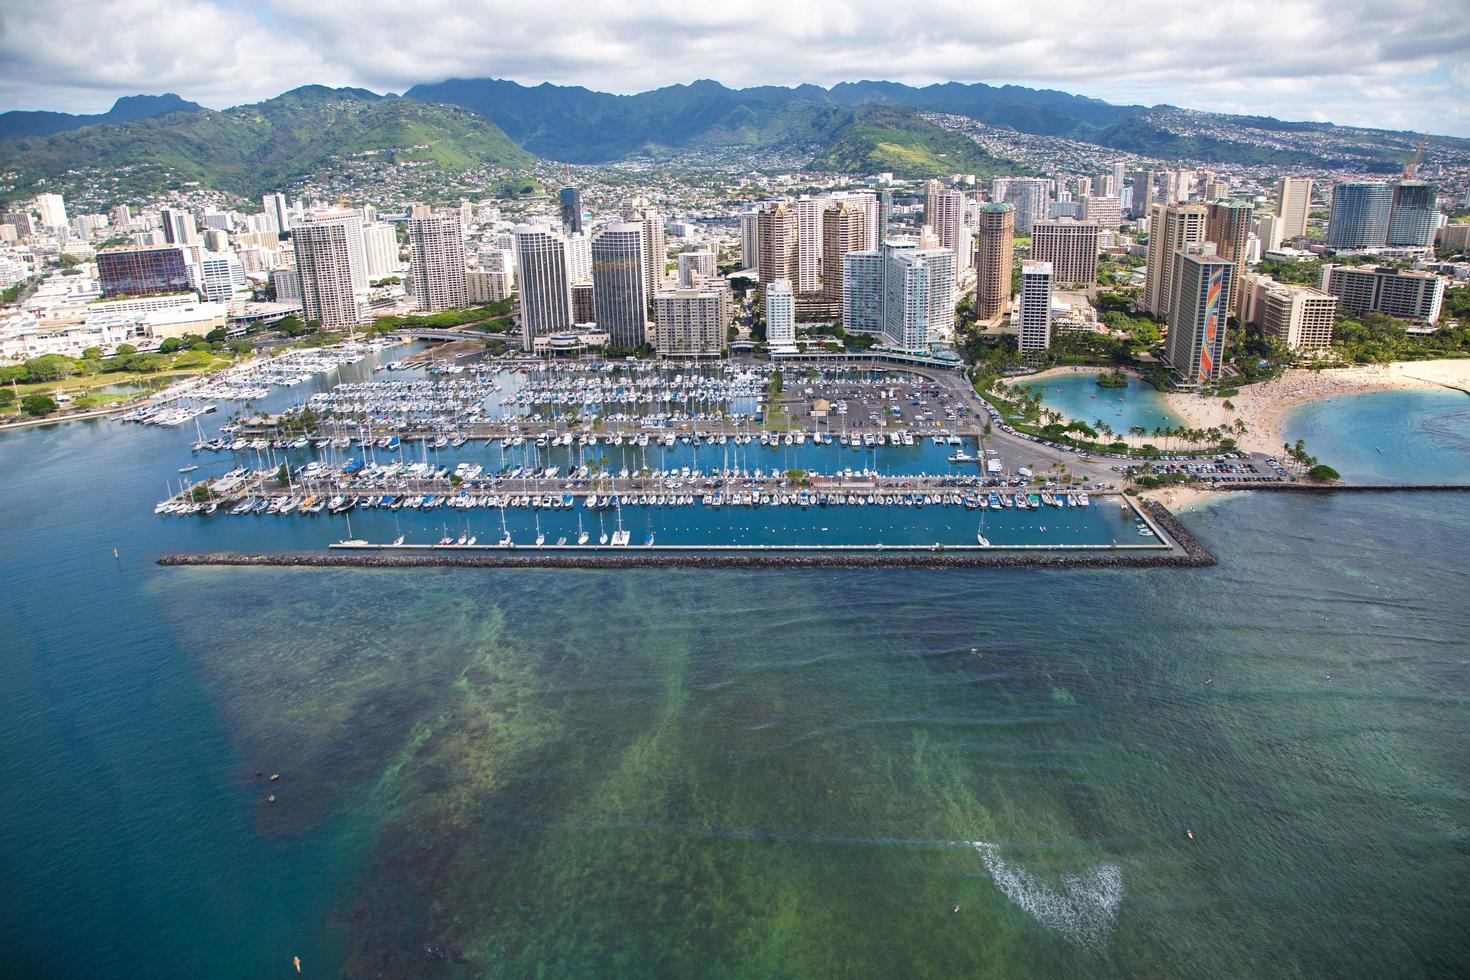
point(1398, 66)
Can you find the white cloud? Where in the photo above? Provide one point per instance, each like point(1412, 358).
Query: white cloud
point(1394, 62)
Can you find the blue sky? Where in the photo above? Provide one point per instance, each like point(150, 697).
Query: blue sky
point(1401, 64)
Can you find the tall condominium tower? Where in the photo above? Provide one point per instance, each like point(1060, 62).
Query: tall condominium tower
point(380, 245)
point(620, 284)
point(1201, 283)
point(776, 243)
point(277, 210)
point(571, 209)
point(694, 266)
point(1360, 214)
point(844, 229)
point(1142, 182)
point(1030, 195)
point(655, 248)
point(437, 262)
point(52, 210)
point(1228, 225)
point(862, 291)
point(809, 243)
point(545, 282)
point(1069, 246)
point(780, 306)
point(1293, 203)
point(1033, 315)
point(1171, 227)
point(994, 258)
point(918, 296)
point(179, 227)
point(944, 212)
point(1415, 213)
point(749, 241)
point(333, 265)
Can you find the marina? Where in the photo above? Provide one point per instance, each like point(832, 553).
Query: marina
point(446, 455)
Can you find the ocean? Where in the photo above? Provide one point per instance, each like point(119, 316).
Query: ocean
point(697, 773)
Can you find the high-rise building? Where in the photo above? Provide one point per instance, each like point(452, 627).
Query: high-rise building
point(1416, 296)
point(694, 266)
point(1360, 214)
point(437, 262)
point(143, 270)
point(1033, 313)
point(579, 257)
point(1415, 215)
point(571, 210)
point(380, 249)
point(122, 217)
point(690, 322)
point(221, 276)
point(1299, 316)
point(1119, 175)
point(862, 292)
point(750, 241)
point(52, 210)
point(844, 229)
point(544, 281)
point(1201, 285)
point(809, 243)
point(333, 265)
point(780, 306)
point(1270, 230)
point(945, 214)
point(918, 296)
point(1069, 247)
point(620, 284)
point(1142, 183)
point(1030, 195)
point(1228, 225)
point(994, 258)
point(776, 243)
point(178, 226)
point(1105, 211)
point(1293, 204)
point(1171, 227)
point(584, 304)
point(655, 248)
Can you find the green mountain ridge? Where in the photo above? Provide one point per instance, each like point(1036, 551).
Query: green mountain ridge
point(252, 149)
point(883, 137)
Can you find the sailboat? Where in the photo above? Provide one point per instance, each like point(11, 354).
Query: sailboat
point(620, 536)
point(540, 537)
point(602, 539)
point(980, 534)
point(505, 541)
point(581, 534)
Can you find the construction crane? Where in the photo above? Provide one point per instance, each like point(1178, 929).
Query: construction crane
point(1413, 163)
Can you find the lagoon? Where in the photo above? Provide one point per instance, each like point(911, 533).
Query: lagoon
point(1078, 396)
point(1388, 436)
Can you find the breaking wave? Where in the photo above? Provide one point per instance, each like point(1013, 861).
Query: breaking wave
point(1084, 909)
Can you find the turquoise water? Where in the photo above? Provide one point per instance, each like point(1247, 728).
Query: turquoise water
point(1388, 436)
point(691, 773)
point(1079, 397)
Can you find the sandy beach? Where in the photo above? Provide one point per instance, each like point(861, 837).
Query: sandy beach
point(1264, 405)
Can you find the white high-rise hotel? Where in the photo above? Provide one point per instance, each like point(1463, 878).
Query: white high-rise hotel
point(902, 291)
point(1033, 315)
point(333, 267)
point(545, 284)
point(620, 283)
point(437, 263)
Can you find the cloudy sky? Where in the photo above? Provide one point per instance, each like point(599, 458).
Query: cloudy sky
point(1393, 63)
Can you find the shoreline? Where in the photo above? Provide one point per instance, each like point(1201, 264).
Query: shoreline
point(1264, 406)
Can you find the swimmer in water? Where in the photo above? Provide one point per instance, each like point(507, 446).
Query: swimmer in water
point(296, 962)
